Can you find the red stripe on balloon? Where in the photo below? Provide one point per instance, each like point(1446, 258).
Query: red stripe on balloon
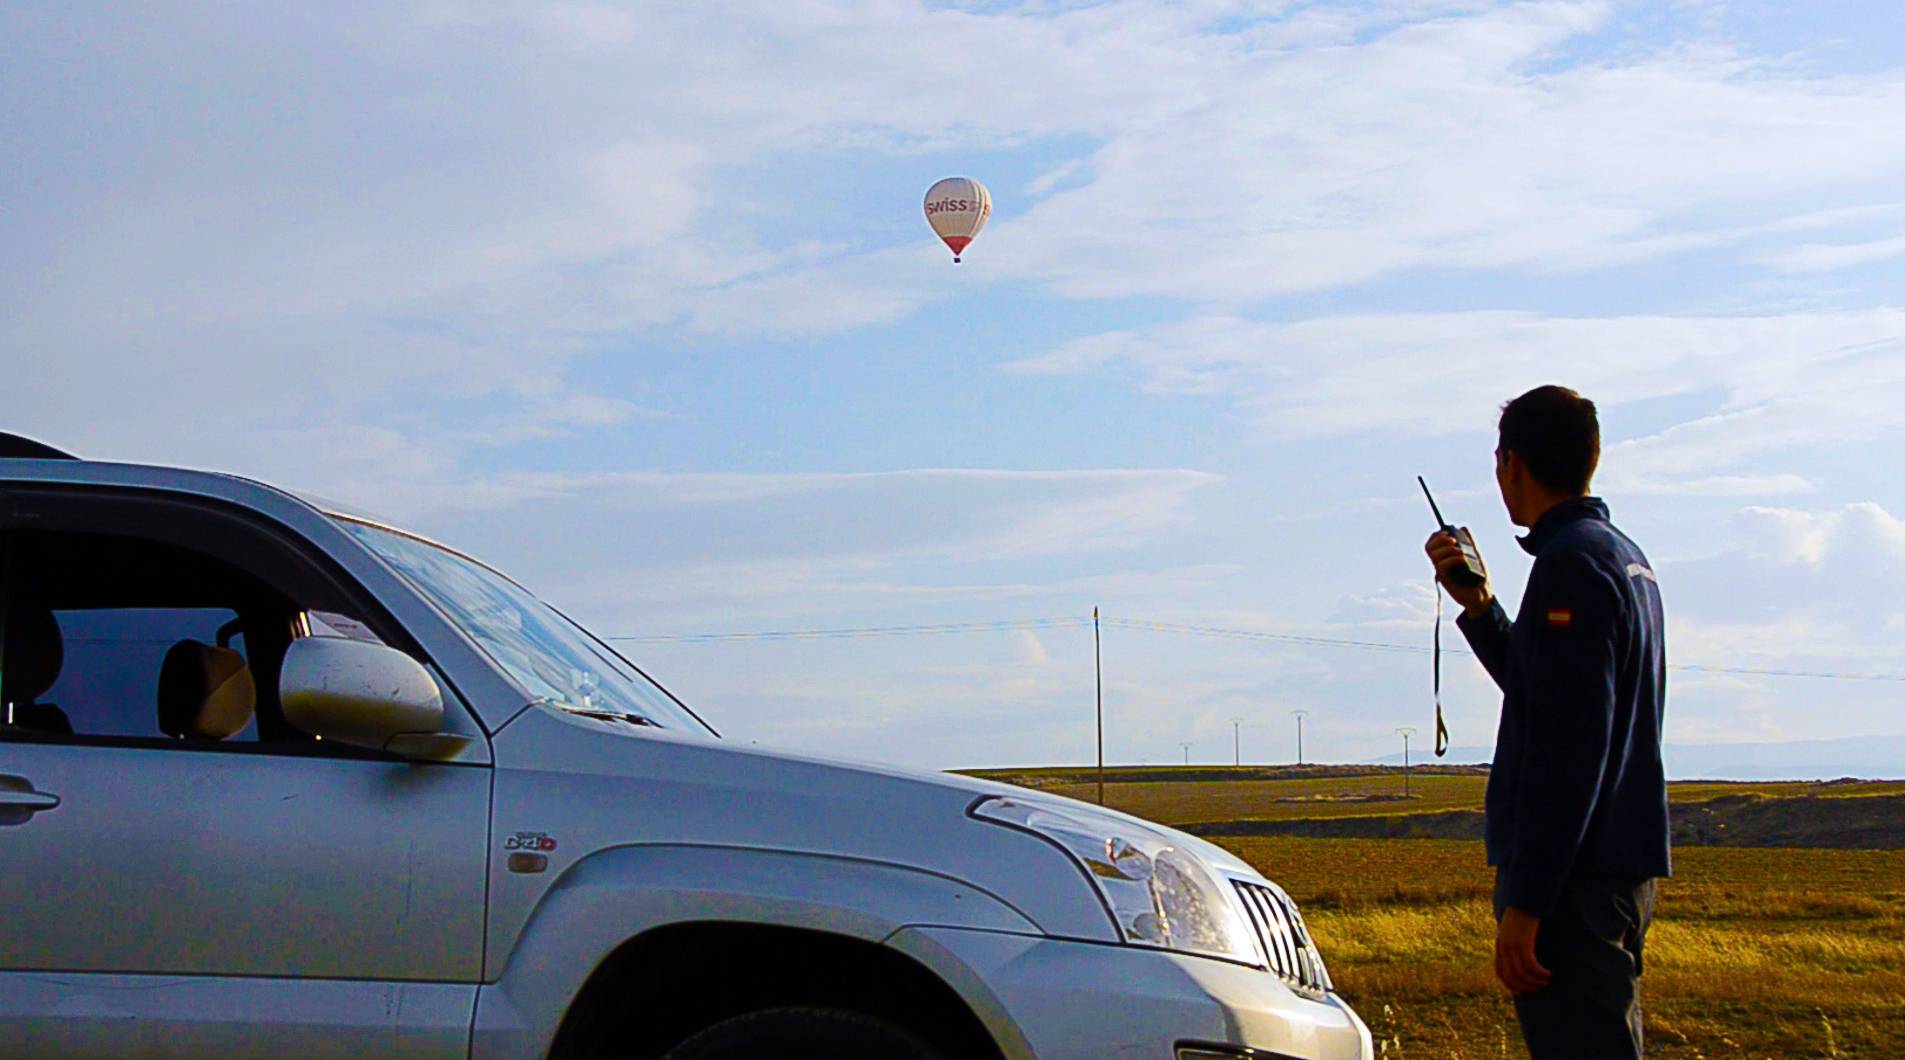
point(957, 243)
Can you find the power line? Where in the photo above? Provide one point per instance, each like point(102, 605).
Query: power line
point(1370, 645)
point(1182, 629)
point(1833, 675)
point(1252, 634)
point(864, 631)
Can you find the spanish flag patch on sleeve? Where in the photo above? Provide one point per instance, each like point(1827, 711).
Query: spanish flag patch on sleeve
point(1560, 618)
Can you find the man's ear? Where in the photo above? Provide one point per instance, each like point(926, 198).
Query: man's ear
point(1511, 475)
point(1512, 468)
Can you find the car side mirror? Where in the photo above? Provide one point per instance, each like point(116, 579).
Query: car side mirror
point(362, 694)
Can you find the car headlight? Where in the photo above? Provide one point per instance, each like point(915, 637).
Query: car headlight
point(1158, 894)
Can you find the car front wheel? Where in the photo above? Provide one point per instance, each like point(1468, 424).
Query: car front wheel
point(804, 1034)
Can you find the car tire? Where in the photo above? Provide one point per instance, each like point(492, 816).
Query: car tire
point(804, 1034)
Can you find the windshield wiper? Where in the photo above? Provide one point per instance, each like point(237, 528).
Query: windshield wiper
point(613, 715)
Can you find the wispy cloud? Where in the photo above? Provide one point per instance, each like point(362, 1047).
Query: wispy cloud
point(637, 547)
point(1827, 257)
point(1808, 379)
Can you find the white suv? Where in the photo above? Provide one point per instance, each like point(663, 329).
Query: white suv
point(279, 781)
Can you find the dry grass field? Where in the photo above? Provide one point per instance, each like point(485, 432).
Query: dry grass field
point(1755, 952)
point(1365, 796)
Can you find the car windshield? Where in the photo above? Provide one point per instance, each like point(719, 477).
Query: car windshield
point(559, 662)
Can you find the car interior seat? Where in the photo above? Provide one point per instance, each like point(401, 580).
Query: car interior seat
point(35, 652)
point(205, 692)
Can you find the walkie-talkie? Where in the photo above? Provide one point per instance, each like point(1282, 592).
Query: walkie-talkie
point(1471, 571)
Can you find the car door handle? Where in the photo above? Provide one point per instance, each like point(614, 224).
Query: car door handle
point(18, 800)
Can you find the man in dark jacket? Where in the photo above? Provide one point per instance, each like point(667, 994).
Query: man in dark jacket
point(1577, 798)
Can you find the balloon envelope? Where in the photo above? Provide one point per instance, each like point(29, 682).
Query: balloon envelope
point(957, 208)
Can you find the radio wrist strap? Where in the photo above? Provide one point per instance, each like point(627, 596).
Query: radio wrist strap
point(1441, 730)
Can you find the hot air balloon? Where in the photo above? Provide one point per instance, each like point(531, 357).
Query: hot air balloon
point(957, 208)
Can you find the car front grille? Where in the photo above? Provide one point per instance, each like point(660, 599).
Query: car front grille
point(1286, 942)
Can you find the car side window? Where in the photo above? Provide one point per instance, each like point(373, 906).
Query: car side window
point(119, 637)
point(109, 679)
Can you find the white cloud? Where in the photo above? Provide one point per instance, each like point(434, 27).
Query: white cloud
point(1863, 539)
point(561, 415)
point(1031, 649)
point(1811, 590)
point(1790, 382)
point(641, 548)
point(1826, 257)
point(810, 591)
point(822, 293)
point(1453, 143)
point(1410, 606)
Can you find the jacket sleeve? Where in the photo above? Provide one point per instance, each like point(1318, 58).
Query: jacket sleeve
point(1569, 724)
point(1488, 636)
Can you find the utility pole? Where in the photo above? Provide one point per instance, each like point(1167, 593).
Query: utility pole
point(1236, 742)
point(1298, 715)
point(1098, 667)
point(1405, 732)
point(1187, 751)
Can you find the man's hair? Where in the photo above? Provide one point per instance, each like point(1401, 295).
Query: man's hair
point(1557, 435)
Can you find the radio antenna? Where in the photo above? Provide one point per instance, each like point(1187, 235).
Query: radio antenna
point(1431, 496)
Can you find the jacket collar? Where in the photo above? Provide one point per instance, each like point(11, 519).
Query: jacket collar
point(1554, 519)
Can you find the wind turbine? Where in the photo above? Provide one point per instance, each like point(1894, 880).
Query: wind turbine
point(1405, 732)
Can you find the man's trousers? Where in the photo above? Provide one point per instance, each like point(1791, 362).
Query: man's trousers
point(1591, 943)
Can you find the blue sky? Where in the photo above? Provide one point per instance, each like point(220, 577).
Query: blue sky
point(637, 302)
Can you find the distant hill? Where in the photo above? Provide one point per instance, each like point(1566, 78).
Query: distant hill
point(1457, 756)
point(1855, 756)
point(1752, 819)
point(1060, 776)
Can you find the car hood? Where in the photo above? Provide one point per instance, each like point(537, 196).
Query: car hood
point(614, 784)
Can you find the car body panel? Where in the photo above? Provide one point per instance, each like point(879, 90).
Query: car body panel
point(170, 861)
point(622, 893)
point(595, 785)
point(1056, 999)
point(50, 1017)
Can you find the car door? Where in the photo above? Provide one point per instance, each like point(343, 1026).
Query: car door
point(203, 887)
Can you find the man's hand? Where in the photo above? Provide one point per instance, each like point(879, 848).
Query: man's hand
point(1515, 963)
point(1446, 553)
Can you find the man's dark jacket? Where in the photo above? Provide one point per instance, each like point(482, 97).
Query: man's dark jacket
point(1577, 785)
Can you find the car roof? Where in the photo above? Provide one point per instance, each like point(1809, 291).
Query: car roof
point(283, 505)
point(20, 446)
point(262, 496)
point(23, 458)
